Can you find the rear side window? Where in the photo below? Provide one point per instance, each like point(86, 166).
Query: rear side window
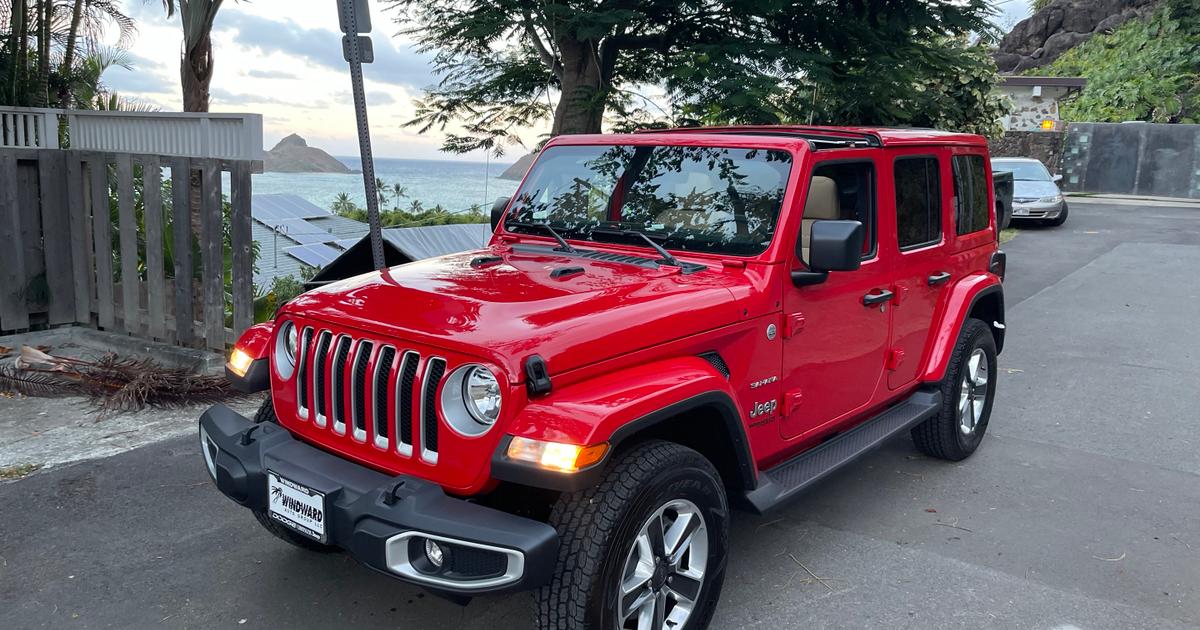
point(918, 201)
point(970, 194)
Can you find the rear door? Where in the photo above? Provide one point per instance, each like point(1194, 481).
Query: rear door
point(922, 200)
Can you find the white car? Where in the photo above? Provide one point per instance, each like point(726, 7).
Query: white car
point(1035, 192)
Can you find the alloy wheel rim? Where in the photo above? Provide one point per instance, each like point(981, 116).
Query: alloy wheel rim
point(664, 570)
point(972, 394)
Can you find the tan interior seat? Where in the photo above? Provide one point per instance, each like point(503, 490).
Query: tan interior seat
point(821, 203)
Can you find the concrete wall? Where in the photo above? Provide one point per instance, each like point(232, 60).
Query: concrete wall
point(1046, 146)
point(1133, 159)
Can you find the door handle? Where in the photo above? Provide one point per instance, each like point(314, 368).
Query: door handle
point(871, 299)
point(938, 278)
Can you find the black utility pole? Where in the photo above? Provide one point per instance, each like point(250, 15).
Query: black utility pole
point(354, 16)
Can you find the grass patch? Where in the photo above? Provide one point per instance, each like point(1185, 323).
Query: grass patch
point(10, 473)
point(1008, 235)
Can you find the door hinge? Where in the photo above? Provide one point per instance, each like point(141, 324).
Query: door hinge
point(791, 402)
point(895, 357)
point(792, 325)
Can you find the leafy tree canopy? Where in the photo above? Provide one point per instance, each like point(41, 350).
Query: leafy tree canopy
point(506, 64)
point(1145, 70)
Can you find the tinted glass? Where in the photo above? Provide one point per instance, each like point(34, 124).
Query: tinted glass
point(918, 201)
point(970, 194)
point(702, 199)
point(1022, 170)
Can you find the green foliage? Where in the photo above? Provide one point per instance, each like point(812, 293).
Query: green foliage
point(1145, 70)
point(282, 290)
point(415, 215)
point(504, 62)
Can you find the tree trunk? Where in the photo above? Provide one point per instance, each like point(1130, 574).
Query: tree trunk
point(584, 89)
point(196, 74)
point(20, 47)
point(41, 96)
point(64, 93)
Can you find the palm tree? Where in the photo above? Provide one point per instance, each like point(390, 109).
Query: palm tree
point(89, 18)
point(196, 67)
point(382, 189)
point(398, 192)
point(343, 204)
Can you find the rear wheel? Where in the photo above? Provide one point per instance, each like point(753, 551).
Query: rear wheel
point(643, 550)
point(266, 413)
point(967, 392)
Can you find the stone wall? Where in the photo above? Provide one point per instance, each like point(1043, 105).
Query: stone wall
point(1047, 34)
point(1046, 146)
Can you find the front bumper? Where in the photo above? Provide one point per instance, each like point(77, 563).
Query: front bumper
point(377, 517)
point(1037, 210)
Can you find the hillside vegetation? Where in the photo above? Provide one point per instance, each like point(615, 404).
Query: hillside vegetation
point(1145, 70)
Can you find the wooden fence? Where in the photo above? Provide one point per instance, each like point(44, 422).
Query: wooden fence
point(87, 238)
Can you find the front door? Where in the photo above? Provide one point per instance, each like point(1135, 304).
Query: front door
point(835, 345)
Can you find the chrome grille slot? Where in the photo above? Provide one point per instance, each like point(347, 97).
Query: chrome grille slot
point(320, 377)
point(358, 395)
point(338, 381)
point(404, 402)
point(434, 371)
point(302, 402)
point(380, 385)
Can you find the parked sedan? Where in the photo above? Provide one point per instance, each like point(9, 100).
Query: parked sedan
point(1036, 194)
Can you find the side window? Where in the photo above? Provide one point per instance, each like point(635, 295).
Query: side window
point(854, 186)
point(970, 194)
point(918, 201)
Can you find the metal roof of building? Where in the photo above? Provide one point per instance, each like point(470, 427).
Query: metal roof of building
point(293, 234)
point(438, 240)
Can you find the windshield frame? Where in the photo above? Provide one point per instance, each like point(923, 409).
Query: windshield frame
point(796, 148)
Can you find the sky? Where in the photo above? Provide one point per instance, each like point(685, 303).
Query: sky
point(283, 59)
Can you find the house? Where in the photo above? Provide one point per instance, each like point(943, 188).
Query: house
point(294, 235)
point(1036, 101)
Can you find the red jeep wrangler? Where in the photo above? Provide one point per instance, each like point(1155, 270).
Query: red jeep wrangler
point(664, 324)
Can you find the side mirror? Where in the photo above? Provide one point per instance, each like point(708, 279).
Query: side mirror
point(833, 245)
point(1056, 178)
point(498, 211)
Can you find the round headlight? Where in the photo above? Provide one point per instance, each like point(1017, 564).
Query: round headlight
point(289, 341)
point(481, 392)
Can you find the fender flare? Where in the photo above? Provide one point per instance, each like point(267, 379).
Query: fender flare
point(963, 299)
point(617, 407)
point(256, 342)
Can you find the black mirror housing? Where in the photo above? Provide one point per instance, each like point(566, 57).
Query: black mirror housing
point(835, 245)
point(498, 211)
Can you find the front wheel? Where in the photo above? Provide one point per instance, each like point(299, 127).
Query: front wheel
point(645, 549)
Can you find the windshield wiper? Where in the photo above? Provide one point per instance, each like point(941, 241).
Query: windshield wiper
point(563, 245)
point(662, 252)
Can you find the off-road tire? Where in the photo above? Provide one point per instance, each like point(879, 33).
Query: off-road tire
point(597, 528)
point(1060, 219)
point(940, 436)
point(266, 413)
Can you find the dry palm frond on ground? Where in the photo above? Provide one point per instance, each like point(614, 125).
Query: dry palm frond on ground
point(112, 383)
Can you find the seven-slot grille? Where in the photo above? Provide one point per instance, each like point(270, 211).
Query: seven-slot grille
point(369, 389)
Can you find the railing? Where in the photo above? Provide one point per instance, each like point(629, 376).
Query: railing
point(88, 238)
point(28, 128)
point(174, 134)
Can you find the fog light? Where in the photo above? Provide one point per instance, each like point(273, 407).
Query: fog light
point(434, 553)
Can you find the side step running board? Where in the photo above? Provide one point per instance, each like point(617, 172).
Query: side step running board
point(779, 484)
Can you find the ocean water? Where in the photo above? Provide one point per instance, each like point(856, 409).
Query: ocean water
point(455, 185)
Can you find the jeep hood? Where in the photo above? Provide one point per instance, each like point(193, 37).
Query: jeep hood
point(508, 309)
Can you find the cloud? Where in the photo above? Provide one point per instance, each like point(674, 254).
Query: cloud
point(323, 47)
point(380, 98)
point(227, 97)
point(272, 74)
point(138, 81)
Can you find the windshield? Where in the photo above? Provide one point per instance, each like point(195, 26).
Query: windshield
point(701, 199)
point(1022, 170)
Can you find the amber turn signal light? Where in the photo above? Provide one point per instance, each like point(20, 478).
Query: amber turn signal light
point(556, 455)
point(239, 362)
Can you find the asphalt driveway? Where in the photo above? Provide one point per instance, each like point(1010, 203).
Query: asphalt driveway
point(1081, 509)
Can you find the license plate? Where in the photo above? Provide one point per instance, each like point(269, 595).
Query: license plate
point(1018, 211)
point(297, 506)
